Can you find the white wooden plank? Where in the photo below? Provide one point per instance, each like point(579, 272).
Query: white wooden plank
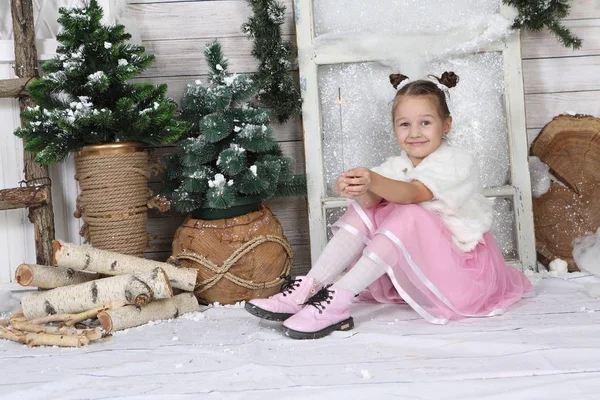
point(570, 74)
point(543, 44)
point(311, 117)
point(541, 108)
point(65, 190)
point(515, 111)
point(343, 51)
point(192, 20)
point(531, 135)
point(584, 9)
point(186, 57)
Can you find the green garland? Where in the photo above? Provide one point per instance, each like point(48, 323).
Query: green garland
point(537, 14)
point(278, 89)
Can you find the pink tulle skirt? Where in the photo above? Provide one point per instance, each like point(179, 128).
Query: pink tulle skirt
point(427, 270)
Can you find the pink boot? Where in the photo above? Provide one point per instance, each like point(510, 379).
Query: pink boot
point(327, 311)
point(288, 302)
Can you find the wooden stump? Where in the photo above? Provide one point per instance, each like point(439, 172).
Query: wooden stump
point(570, 146)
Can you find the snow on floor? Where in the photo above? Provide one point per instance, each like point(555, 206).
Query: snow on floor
point(546, 347)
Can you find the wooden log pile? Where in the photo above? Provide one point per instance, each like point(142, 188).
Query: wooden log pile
point(106, 290)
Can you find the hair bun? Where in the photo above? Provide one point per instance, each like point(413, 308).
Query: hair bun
point(396, 79)
point(449, 79)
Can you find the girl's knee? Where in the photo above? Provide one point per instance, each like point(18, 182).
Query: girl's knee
point(384, 248)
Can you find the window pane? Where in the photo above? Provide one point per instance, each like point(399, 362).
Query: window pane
point(398, 16)
point(504, 227)
point(356, 115)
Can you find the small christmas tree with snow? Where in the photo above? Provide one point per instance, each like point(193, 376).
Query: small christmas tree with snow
point(85, 98)
point(231, 153)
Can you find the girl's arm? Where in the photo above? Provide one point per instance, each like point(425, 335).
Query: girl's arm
point(368, 188)
point(398, 191)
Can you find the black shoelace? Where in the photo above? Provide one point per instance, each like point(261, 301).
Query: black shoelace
point(289, 285)
point(320, 299)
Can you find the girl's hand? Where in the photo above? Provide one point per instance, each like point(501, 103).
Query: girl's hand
point(340, 187)
point(354, 182)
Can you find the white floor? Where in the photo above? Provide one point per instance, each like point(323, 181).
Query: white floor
point(547, 347)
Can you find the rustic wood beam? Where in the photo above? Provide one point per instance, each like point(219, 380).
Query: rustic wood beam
point(11, 88)
point(26, 66)
point(25, 197)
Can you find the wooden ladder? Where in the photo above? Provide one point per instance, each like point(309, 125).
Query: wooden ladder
point(36, 193)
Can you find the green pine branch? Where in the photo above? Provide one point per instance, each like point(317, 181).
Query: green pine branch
point(537, 14)
point(278, 90)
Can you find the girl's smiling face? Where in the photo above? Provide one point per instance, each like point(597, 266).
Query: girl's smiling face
point(418, 126)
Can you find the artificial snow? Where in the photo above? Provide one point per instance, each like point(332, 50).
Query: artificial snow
point(219, 181)
point(545, 347)
point(540, 177)
point(237, 148)
point(593, 290)
point(9, 302)
point(253, 169)
point(586, 252)
point(97, 77)
point(107, 45)
point(559, 266)
point(229, 80)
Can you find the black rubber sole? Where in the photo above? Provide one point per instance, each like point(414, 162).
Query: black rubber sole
point(344, 325)
point(264, 314)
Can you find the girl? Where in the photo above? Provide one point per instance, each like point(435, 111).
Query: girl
point(418, 225)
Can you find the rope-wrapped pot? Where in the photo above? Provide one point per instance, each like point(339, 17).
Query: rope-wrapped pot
point(238, 258)
point(113, 181)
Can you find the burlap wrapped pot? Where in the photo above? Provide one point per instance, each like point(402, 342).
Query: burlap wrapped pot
point(113, 181)
point(237, 259)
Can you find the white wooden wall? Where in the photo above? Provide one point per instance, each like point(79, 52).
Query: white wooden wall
point(557, 80)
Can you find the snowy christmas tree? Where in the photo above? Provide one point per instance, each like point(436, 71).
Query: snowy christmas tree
point(231, 153)
point(85, 98)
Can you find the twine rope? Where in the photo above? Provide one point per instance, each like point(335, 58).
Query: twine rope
point(223, 271)
point(113, 200)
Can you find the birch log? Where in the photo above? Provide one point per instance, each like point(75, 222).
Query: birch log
point(43, 339)
point(72, 319)
point(138, 288)
point(90, 333)
point(130, 316)
point(111, 263)
point(46, 277)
